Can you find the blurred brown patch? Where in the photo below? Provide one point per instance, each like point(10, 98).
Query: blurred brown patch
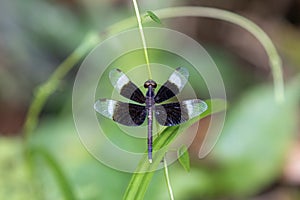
point(11, 118)
point(291, 174)
point(201, 133)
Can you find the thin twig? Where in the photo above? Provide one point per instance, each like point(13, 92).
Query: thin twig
point(137, 12)
point(168, 179)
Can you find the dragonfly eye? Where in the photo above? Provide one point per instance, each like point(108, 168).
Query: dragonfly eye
point(150, 82)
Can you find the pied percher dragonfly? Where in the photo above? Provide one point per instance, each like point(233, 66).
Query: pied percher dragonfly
point(169, 114)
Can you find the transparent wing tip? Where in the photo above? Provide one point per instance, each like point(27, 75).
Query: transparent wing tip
point(183, 71)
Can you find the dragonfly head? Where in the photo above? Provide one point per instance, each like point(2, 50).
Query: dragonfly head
point(149, 83)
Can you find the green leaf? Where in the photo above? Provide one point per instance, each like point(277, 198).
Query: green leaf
point(139, 182)
point(153, 17)
point(184, 158)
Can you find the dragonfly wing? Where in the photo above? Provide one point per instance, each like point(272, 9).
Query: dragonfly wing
point(125, 87)
point(173, 85)
point(172, 114)
point(123, 113)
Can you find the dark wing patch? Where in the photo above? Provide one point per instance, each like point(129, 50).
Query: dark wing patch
point(124, 113)
point(126, 88)
point(173, 85)
point(172, 114)
point(165, 92)
point(131, 91)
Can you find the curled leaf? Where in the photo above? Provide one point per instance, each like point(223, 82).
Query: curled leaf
point(153, 17)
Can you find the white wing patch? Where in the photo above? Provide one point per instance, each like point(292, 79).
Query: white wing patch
point(195, 107)
point(118, 79)
point(179, 77)
point(123, 80)
point(105, 107)
point(175, 78)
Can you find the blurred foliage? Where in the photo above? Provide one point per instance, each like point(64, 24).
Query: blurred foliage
point(252, 148)
point(15, 180)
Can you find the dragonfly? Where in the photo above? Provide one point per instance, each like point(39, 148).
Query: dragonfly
point(132, 114)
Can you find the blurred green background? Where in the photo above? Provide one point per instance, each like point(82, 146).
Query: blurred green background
point(257, 156)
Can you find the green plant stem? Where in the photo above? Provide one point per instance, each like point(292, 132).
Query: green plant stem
point(214, 13)
point(168, 179)
point(137, 13)
point(45, 90)
point(166, 171)
point(274, 59)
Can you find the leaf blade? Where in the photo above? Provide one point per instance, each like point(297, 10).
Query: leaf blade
point(184, 157)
